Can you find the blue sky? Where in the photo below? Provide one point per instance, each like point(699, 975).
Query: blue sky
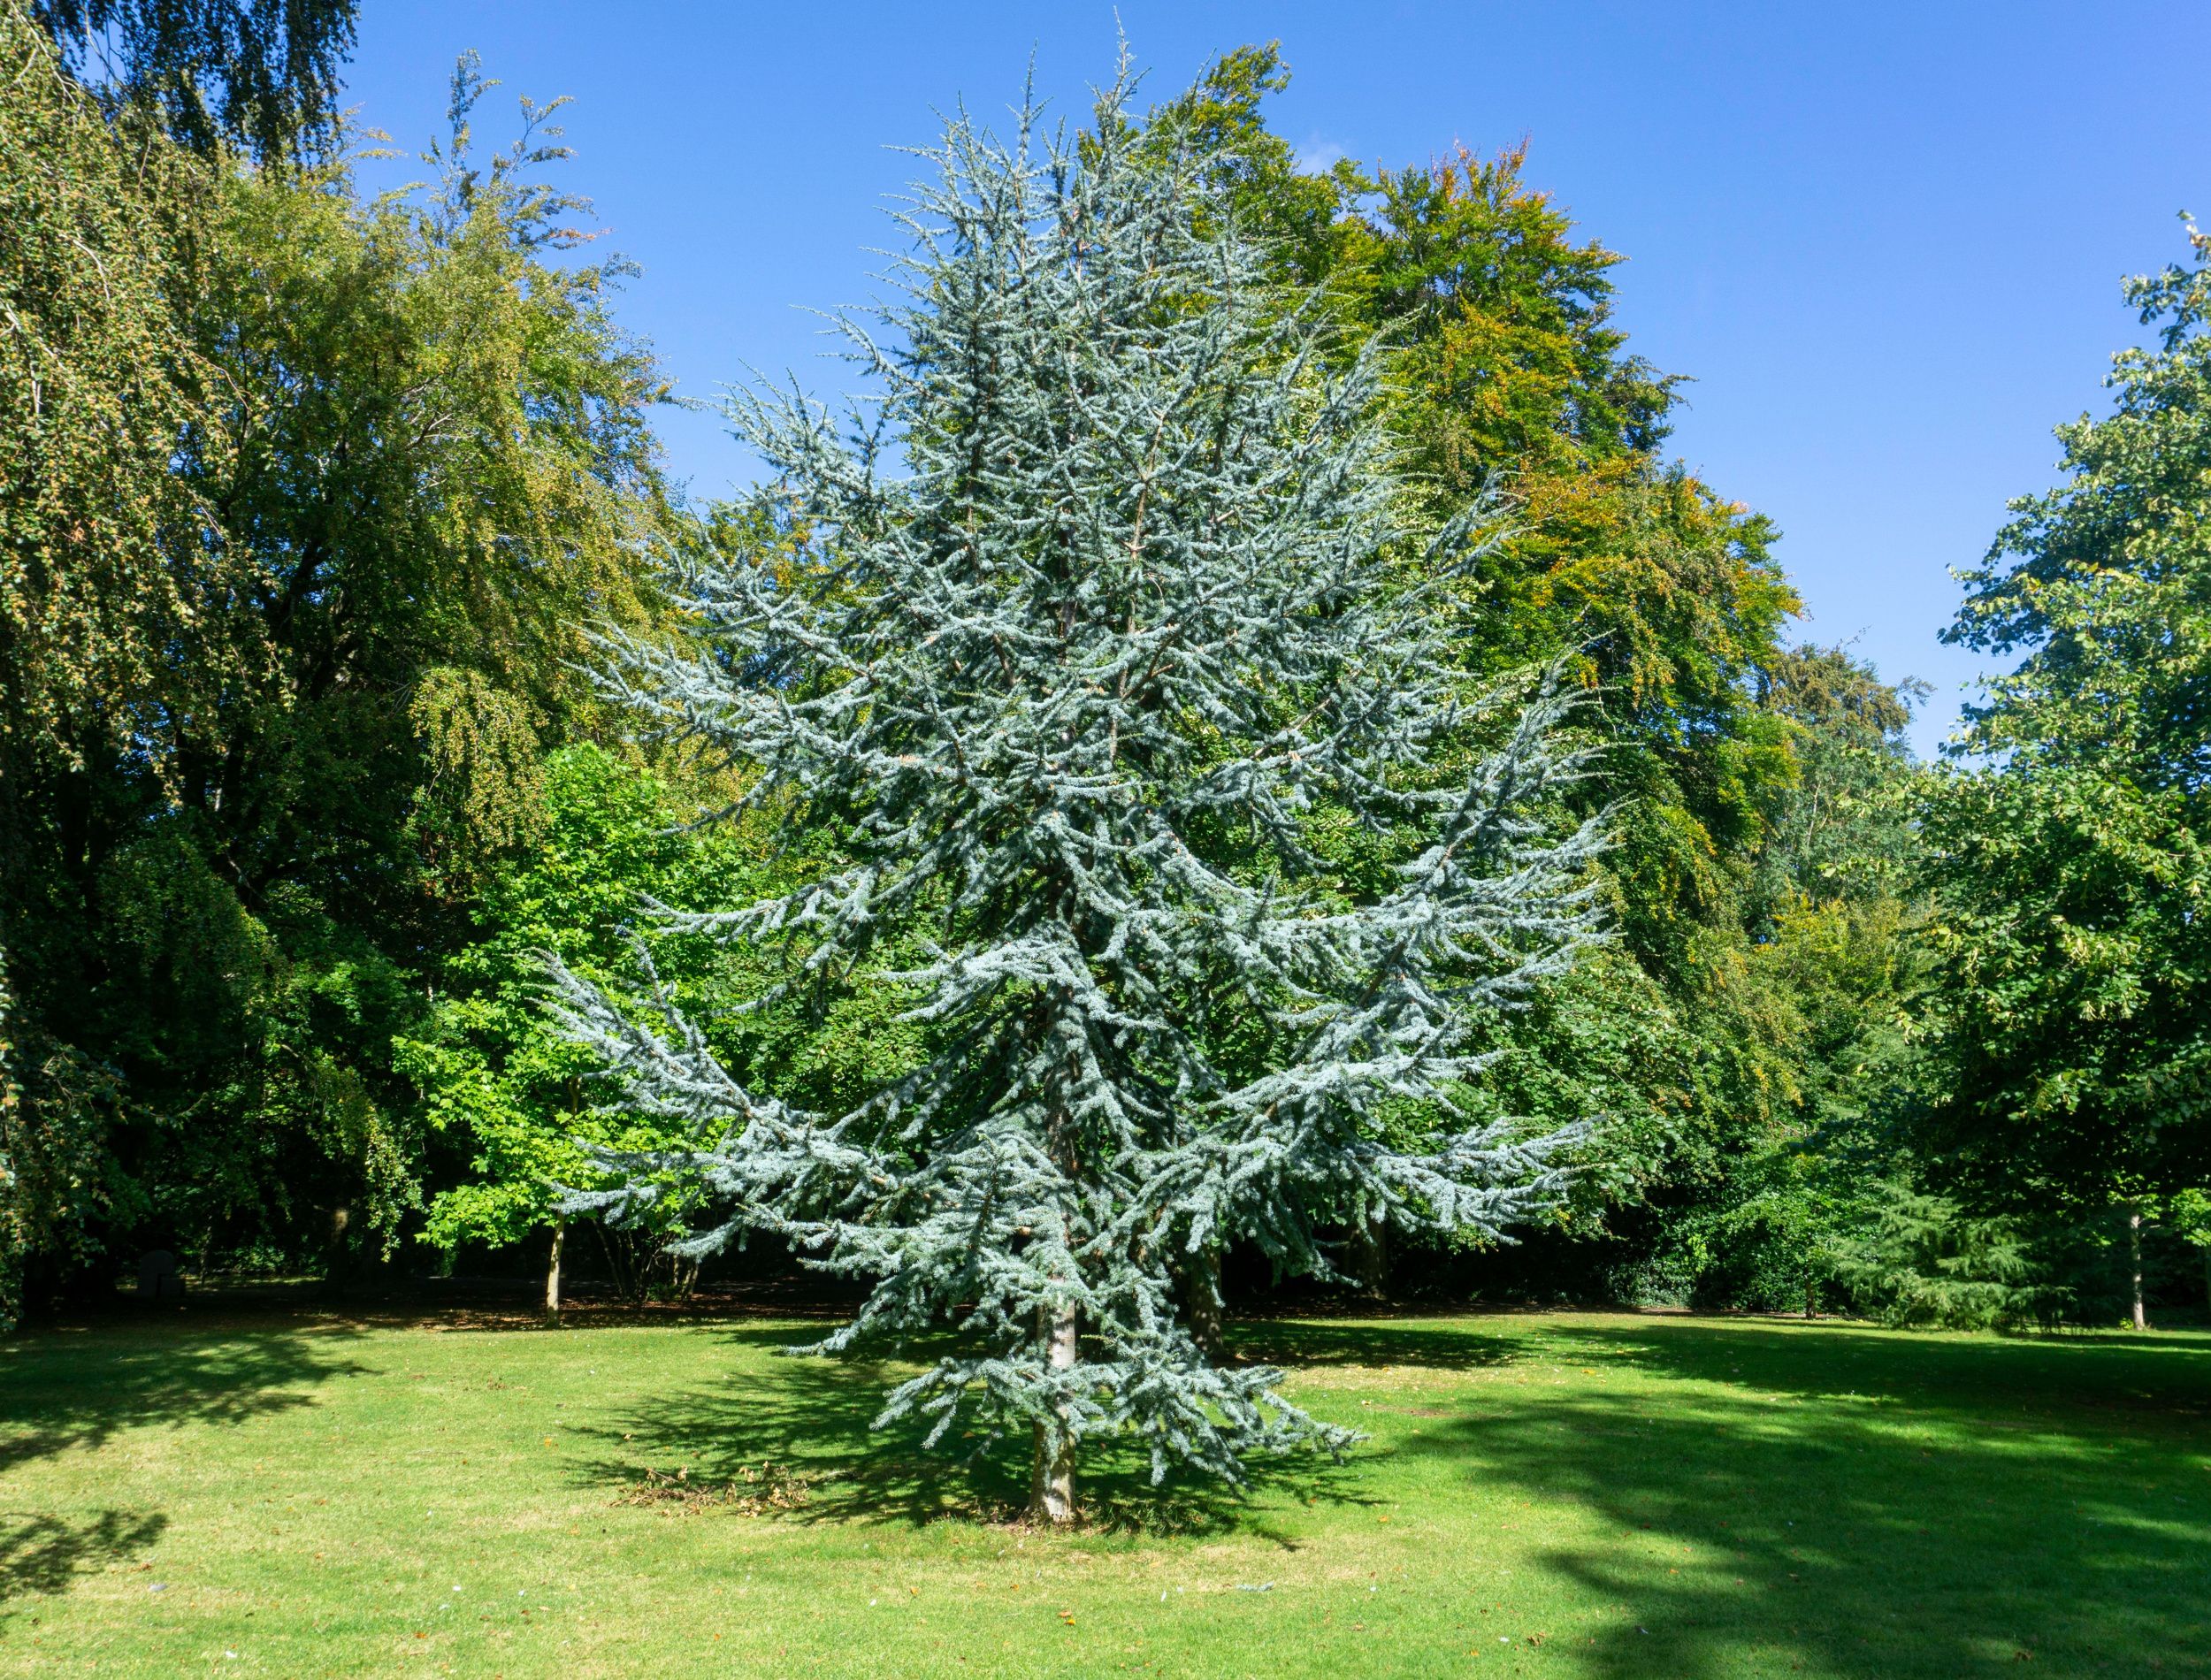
point(1884, 241)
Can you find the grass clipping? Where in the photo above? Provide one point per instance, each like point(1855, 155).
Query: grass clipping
point(755, 1491)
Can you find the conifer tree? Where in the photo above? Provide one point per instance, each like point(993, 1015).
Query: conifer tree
point(1109, 607)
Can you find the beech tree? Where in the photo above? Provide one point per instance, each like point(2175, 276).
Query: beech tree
point(262, 75)
point(2070, 867)
point(303, 492)
point(1107, 609)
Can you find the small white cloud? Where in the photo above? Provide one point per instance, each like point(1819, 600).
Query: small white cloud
point(1317, 156)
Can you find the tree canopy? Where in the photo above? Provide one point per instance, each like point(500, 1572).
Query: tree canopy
point(262, 75)
point(319, 509)
point(2068, 862)
point(1072, 689)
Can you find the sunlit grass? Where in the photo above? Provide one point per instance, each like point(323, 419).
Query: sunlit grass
point(1573, 1495)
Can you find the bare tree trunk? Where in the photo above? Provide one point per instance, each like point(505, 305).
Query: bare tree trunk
point(1201, 1303)
point(622, 1266)
point(552, 1267)
point(1051, 1484)
point(2207, 1275)
point(2134, 1259)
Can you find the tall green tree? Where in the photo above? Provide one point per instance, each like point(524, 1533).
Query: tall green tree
point(315, 490)
point(1513, 388)
point(260, 75)
point(2070, 863)
point(428, 458)
point(99, 381)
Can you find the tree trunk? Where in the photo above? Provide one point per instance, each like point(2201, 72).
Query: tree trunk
point(2134, 1263)
point(620, 1267)
point(1201, 1303)
point(1051, 1485)
point(553, 1268)
point(2207, 1275)
point(1373, 1256)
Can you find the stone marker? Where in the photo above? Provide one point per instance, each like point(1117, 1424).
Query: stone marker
point(159, 1278)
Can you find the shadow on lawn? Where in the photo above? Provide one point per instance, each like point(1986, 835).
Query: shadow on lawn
point(66, 1390)
point(2034, 1377)
point(71, 1391)
point(41, 1553)
point(811, 1418)
point(1377, 1342)
point(1867, 1504)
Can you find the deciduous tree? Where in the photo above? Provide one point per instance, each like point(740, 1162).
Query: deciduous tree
point(2070, 863)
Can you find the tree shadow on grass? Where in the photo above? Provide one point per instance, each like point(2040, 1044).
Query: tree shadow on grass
point(43, 1554)
point(73, 1390)
point(1370, 1342)
point(2004, 1377)
point(1865, 1505)
point(797, 1442)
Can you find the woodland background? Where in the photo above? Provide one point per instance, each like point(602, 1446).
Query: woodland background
point(309, 495)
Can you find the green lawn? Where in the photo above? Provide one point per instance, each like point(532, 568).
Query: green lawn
point(1572, 1495)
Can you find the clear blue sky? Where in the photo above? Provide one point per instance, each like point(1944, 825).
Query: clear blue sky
point(1885, 239)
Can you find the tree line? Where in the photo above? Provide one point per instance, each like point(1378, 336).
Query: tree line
point(328, 516)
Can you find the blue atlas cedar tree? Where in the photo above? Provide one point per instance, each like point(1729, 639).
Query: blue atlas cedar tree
point(1112, 601)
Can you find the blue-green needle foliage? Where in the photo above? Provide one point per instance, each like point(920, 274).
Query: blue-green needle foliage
point(1113, 608)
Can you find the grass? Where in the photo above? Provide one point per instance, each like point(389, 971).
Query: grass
point(1569, 1495)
